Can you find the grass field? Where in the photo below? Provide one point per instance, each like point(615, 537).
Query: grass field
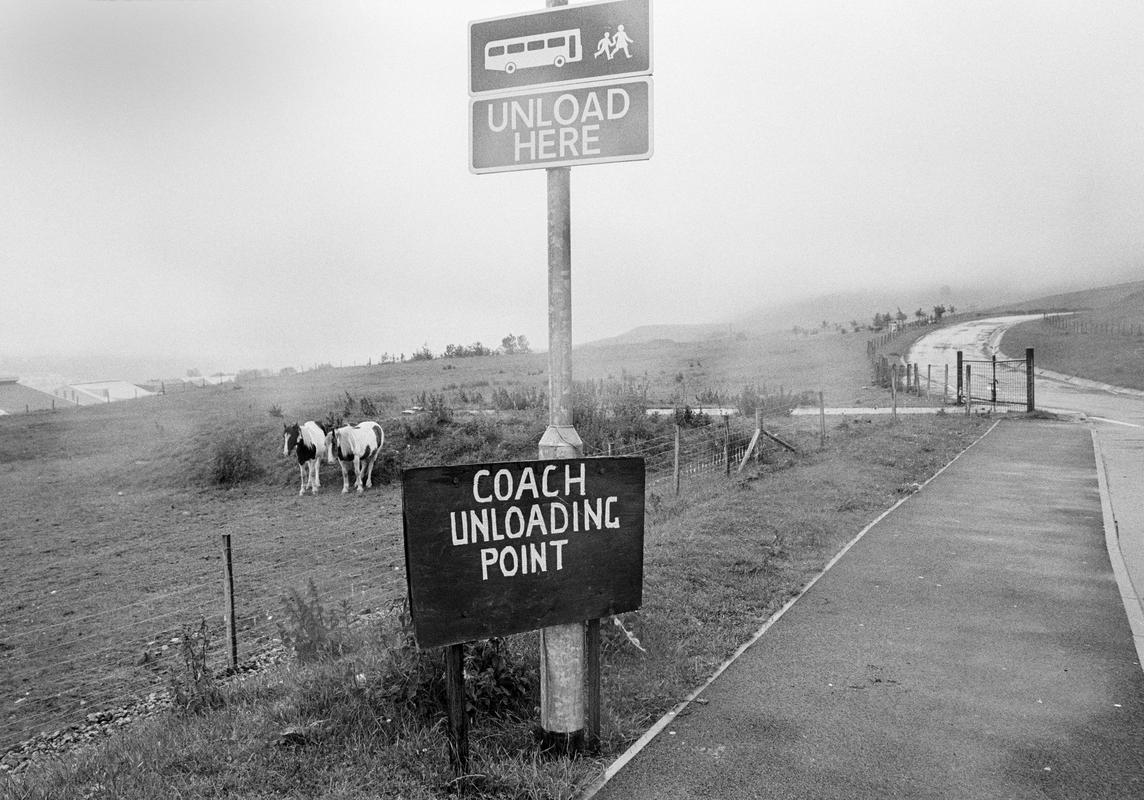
point(1098, 345)
point(112, 522)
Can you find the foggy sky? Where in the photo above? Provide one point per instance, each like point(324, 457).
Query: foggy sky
point(260, 184)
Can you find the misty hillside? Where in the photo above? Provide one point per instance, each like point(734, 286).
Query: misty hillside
point(1117, 301)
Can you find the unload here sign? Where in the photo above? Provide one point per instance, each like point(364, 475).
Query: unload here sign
point(494, 549)
point(589, 124)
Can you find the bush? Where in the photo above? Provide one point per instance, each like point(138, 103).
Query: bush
point(235, 459)
point(612, 412)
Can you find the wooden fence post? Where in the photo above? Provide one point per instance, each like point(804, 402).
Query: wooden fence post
point(675, 467)
point(727, 445)
point(821, 420)
point(945, 387)
point(929, 379)
point(228, 602)
point(894, 392)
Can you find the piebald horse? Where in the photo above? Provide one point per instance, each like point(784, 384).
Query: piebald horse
point(309, 440)
point(359, 444)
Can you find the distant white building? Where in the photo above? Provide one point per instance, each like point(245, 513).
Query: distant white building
point(94, 392)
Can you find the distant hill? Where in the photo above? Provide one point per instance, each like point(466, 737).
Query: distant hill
point(834, 309)
point(1122, 300)
point(861, 306)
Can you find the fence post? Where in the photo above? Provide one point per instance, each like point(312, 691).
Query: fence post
point(821, 419)
point(929, 379)
point(894, 392)
point(727, 445)
point(228, 602)
point(1030, 393)
point(945, 387)
point(968, 390)
point(993, 384)
point(675, 467)
point(960, 367)
point(917, 381)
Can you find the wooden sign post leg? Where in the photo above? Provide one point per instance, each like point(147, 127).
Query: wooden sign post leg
point(458, 719)
point(592, 656)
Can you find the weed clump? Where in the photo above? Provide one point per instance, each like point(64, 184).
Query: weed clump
point(499, 682)
point(311, 631)
point(193, 686)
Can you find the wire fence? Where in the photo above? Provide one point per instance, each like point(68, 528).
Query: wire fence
point(963, 382)
point(67, 675)
point(1074, 323)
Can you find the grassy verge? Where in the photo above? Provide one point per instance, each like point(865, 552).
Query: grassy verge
point(363, 722)
point(1104, 357)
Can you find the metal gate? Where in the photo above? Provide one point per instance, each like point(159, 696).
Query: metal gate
point(996, 382)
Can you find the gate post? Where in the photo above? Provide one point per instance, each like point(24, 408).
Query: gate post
point(968, 390)
point(1030, 393)
point(960, 386)
point(993, 395)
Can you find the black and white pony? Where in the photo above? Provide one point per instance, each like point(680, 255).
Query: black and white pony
point(357, 444)
point(309, 440)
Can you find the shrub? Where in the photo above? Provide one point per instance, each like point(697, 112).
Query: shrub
point(235, 459)
point(275, 411)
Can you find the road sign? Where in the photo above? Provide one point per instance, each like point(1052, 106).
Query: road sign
point(566, 44)
point(494, 549)
point(582, 124)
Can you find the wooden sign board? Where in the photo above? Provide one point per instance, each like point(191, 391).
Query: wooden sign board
point(495, 549)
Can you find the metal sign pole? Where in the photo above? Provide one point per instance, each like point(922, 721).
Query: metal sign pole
point(561, 646)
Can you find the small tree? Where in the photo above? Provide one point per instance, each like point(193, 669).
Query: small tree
point(939, 312)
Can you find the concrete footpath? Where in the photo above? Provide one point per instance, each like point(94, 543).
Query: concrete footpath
point(972, 644)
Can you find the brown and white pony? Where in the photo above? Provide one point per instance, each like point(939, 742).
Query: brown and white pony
point(309, 440)
point(359, 444)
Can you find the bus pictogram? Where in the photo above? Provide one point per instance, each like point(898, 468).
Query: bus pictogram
point(555, 48)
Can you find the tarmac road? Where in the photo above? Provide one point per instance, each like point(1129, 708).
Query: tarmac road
point(1116, 418)
point(981, 640)
point(970, 645)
